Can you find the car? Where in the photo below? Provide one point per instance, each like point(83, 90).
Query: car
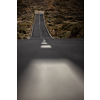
point(40, 13)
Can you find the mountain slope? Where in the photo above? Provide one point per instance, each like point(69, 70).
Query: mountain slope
point(65, 17)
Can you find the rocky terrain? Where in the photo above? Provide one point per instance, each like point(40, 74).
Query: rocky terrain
point(64, 18)
point(25, 18)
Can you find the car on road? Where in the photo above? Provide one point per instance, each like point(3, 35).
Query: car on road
point(40, 13)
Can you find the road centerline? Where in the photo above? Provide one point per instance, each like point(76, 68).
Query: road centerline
point(44, 44)
point(44, 41)
point(39, 27)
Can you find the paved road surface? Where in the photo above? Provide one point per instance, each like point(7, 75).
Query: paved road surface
point(49, 69)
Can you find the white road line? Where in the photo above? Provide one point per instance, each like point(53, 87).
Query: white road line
point(46, 28)
point(39, 27)
point(46, 46)
point(44, 41)
point(33, 25)
point(39, 19)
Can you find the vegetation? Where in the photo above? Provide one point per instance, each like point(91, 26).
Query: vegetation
point(67, 18)
point(25, 17)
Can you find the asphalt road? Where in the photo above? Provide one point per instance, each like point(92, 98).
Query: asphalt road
point(49, 69)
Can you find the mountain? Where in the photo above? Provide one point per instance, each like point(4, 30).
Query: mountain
point(66, 17)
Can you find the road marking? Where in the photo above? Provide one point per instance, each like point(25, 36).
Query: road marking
point(47, 28)
point(39, 27)
point(44, 41)
point(46, 46)
point(39, 19)
point(33, 26)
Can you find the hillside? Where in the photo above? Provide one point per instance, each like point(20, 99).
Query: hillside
point(66, 17)
point(25, 18)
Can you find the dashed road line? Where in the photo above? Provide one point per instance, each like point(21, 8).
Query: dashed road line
point(44, 44)
point(44, 41)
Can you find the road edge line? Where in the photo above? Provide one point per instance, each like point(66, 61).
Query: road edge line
point(33, 25)
point(46, 28)
point(39, 27)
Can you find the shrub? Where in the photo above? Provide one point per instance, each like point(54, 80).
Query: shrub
point(48, 21)
point(60, 16)
point(58, 21)
point(67, 26)
point(50, 24)
point(80, 18)
point(24, 37)
point(64, 26)
point(66, 34)
point(46, 13)
point(70, 18)
point(18, 36)
point(51, 9)
point(76, 29)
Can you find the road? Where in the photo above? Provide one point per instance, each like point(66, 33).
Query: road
point(49, 69)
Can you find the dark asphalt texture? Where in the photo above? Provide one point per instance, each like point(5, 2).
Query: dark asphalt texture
point(55, 73)
point(39, 30)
